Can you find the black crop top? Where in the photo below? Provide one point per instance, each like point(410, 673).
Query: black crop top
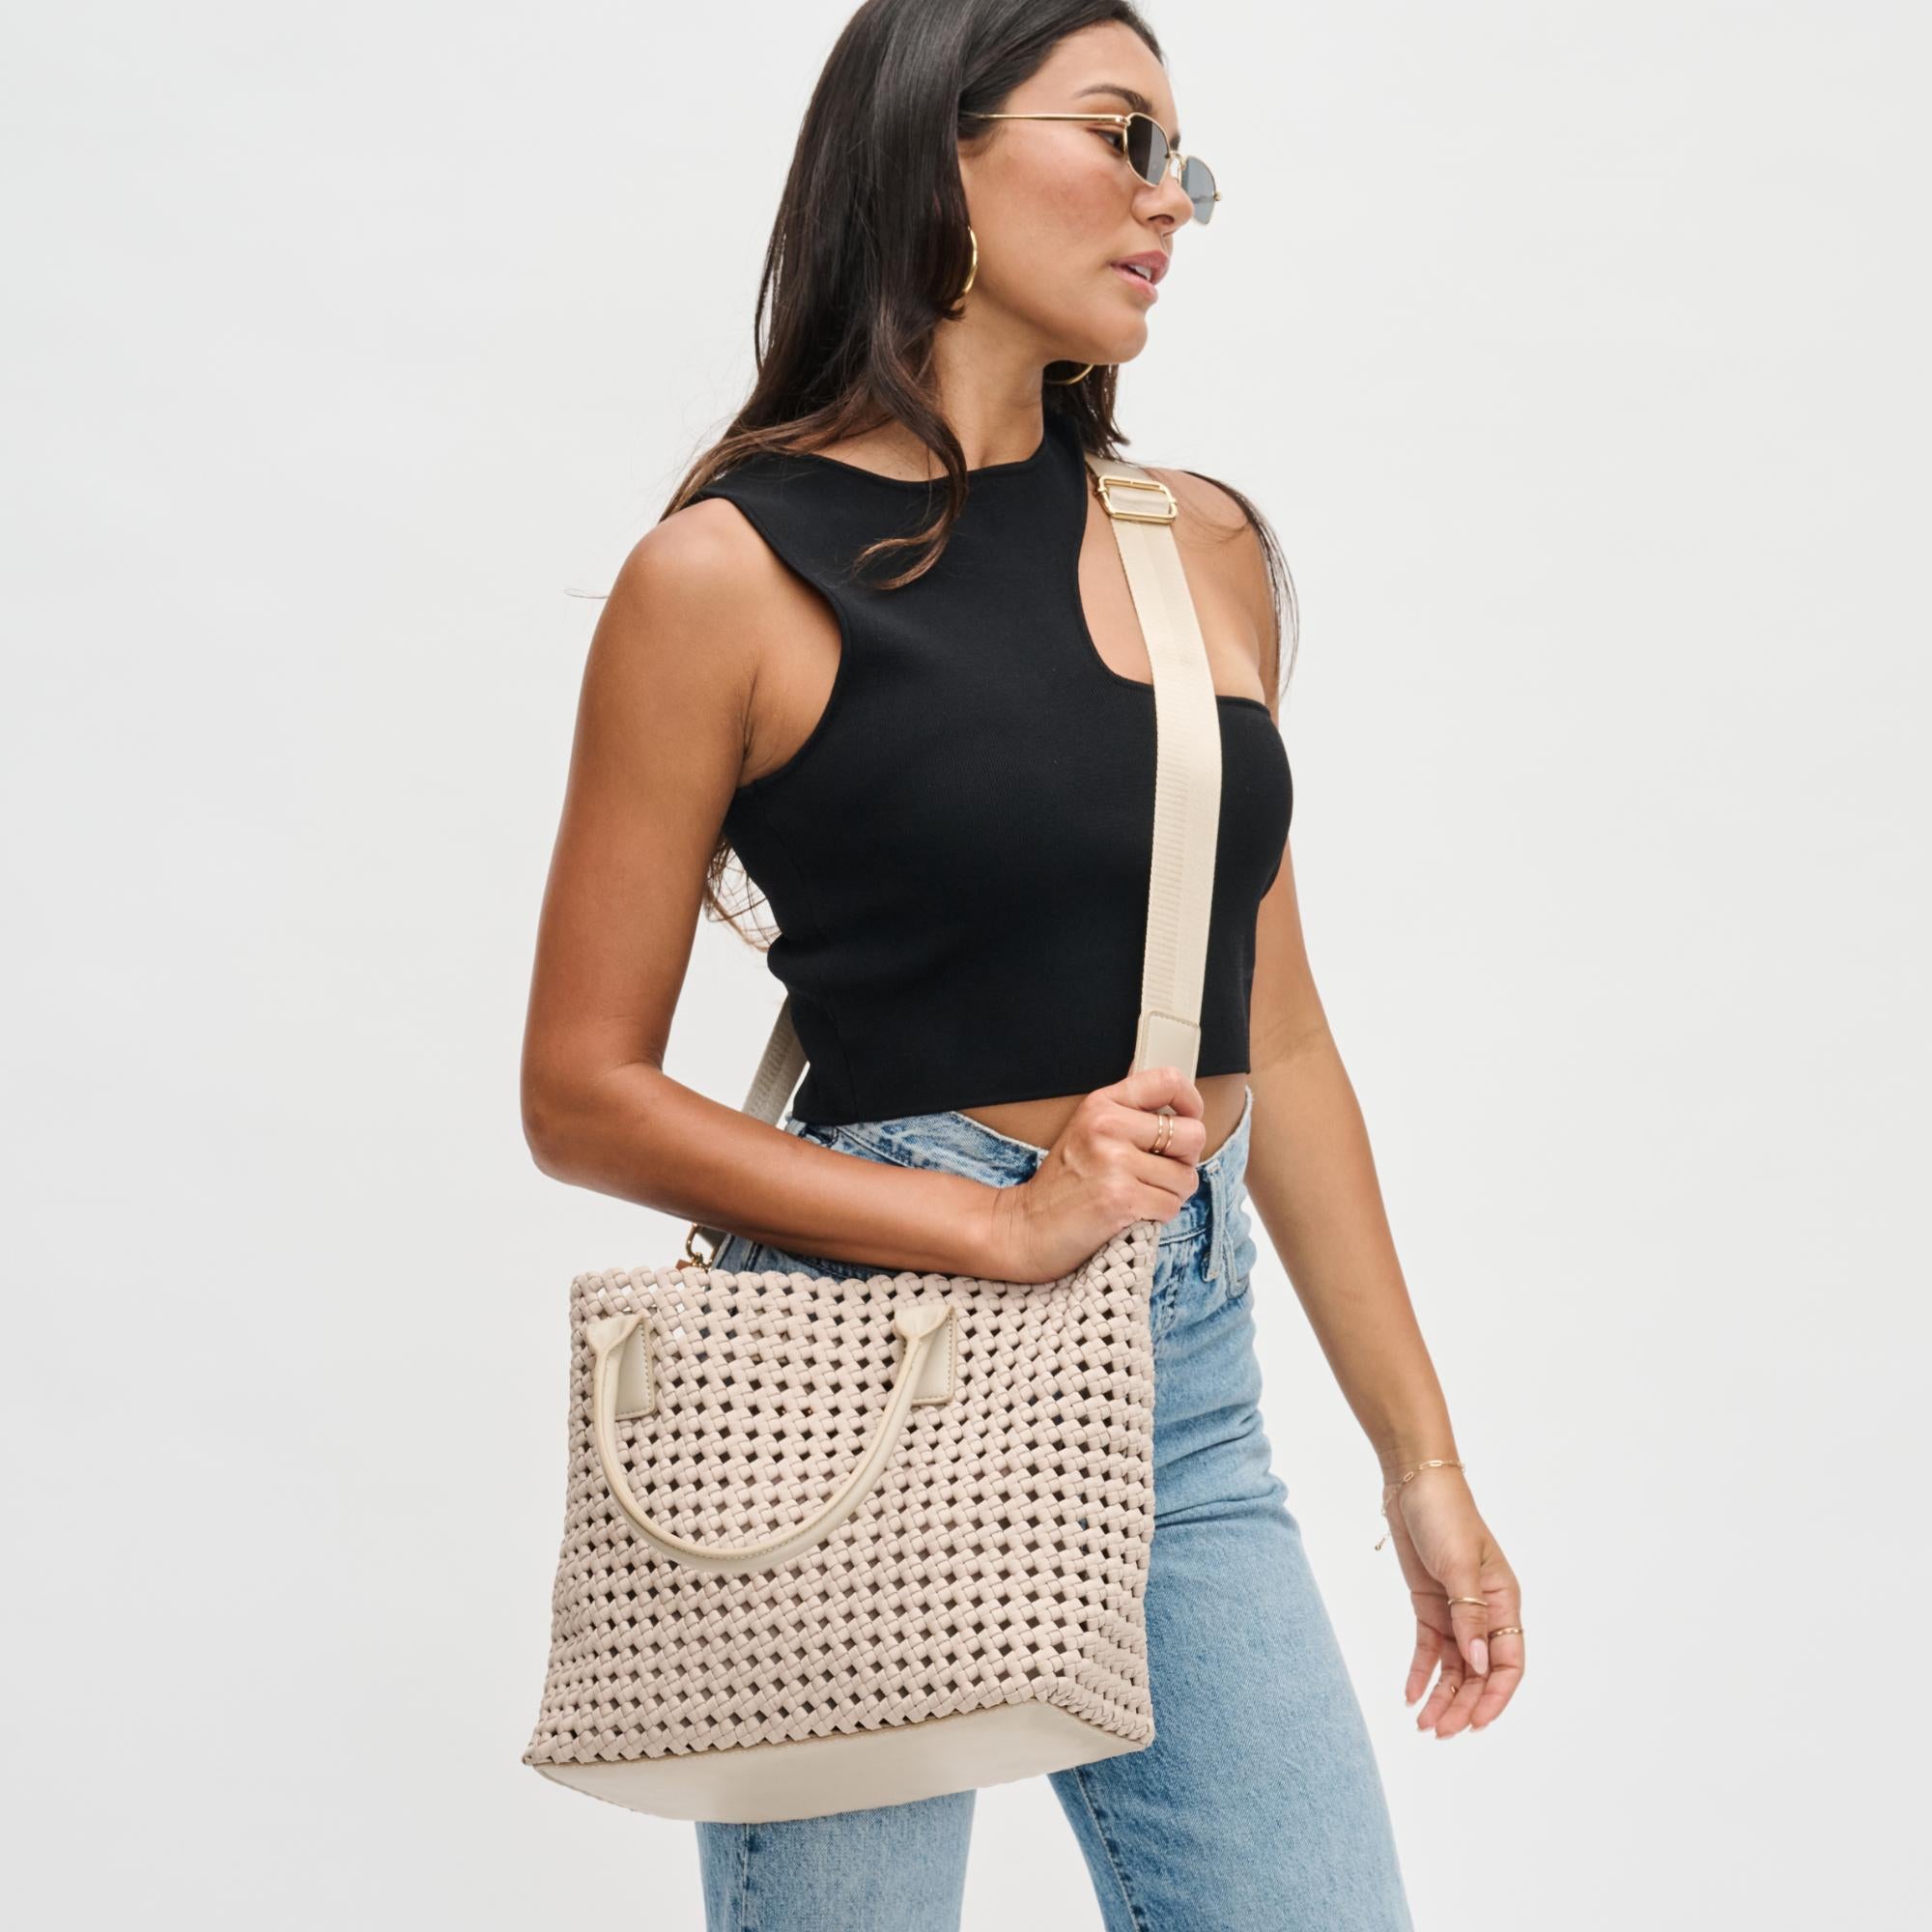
point(958, 855)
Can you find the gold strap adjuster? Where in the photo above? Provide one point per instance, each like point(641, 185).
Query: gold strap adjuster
point(1132, 515)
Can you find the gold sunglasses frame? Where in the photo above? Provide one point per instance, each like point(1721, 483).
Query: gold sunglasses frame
point(1124, 121)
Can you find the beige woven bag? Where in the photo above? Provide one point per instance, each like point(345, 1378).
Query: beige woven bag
point(831, 1544)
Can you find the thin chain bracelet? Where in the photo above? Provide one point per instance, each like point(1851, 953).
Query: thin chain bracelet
point(1414, 1469)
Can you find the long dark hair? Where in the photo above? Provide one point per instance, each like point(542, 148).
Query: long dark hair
point(870, 248)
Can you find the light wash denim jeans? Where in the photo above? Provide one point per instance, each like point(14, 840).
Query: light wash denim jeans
point(1259, 1806)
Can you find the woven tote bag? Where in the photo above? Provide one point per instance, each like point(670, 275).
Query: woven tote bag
point(831, 1544)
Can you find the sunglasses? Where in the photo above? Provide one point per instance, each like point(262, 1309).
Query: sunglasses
point(1147, 151)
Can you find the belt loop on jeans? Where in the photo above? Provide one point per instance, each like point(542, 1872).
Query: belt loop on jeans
point(1217, 1217)
point(1222, 1181)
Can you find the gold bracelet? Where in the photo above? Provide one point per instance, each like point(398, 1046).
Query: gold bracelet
point(1413, 1471)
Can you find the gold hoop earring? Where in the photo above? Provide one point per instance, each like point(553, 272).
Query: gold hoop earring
point(974, 268)
point(1081, 377)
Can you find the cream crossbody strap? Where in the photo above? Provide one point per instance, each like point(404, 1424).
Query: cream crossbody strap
point(1187, 766)
point(1186, 801)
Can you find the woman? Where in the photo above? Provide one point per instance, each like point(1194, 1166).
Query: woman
point(941, 777)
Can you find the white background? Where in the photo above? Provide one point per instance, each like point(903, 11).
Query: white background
point(1577, 355)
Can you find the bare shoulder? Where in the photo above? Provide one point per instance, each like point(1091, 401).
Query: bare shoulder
point(673, 657)
point(1223, 548)
point(690, 575)
point(693, 606)
point(1210, 507)
point(1213, 525)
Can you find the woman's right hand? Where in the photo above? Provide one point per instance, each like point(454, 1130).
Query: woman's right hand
point(1098, 1177)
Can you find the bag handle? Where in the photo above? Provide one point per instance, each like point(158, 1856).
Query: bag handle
point(1187, 804)
point(924, 1325)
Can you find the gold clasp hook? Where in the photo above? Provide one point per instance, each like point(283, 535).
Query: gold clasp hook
point(694, 1259)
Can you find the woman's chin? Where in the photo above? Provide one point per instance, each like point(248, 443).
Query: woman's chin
point(1110, 347)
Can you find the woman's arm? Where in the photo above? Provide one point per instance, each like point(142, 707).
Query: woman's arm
point(1312, 1177)
point(660, 747)
point(1310, 1172)
point(1313, 1182)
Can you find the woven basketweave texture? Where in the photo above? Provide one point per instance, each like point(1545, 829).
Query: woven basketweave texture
point(1002, 1558)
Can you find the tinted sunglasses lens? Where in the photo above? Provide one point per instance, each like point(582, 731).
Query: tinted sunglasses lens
point(1147, 149)
point(1197, 183)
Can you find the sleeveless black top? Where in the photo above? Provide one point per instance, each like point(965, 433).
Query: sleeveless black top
point(958, 855)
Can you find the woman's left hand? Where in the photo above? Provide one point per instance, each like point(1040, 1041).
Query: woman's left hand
point(1446, 1551)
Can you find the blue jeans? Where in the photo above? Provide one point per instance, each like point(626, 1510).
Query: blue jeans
point(1259, 1806)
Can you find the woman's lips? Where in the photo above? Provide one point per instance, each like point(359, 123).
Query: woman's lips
point(1140, 282)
